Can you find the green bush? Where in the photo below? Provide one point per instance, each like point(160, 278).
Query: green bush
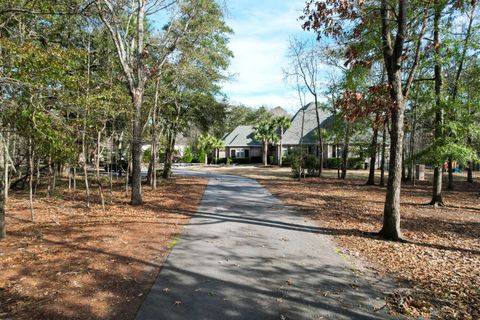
point(229, 161)
point(147, 155)
point(201, 156)
point(353, 163)
point(187, 157)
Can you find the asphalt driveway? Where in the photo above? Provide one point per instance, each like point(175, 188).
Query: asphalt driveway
point(245, 256)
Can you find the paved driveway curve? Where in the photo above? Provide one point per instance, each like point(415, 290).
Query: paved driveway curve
point(245, 256)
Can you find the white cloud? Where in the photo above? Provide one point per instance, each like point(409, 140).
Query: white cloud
point(260, 42)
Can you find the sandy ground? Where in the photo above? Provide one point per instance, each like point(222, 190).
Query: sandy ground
point(81, 263)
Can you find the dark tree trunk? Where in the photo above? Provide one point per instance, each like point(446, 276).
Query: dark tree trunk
point(437, 198)
point(320, 140)
point(391, 213)
point(346, 147)
point(373, 153)
point(3, 228)
point(470, 171)
point(382, 163)
point(167, 166)
point(136, 196)
point(31, 156)
point(393, 51)
point(450, 174)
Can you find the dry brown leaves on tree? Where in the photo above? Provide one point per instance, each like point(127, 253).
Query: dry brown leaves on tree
point(441, 258)
point(85, 263)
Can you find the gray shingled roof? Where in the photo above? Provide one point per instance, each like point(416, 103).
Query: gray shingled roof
point(279, 112)
point(293, 134)
point(241, 136)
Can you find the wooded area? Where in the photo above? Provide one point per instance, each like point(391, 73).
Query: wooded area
point(96, 94)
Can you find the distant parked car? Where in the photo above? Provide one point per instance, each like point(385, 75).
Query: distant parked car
point(457, 170)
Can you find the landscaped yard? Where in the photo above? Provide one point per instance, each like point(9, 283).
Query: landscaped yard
point(83, 263)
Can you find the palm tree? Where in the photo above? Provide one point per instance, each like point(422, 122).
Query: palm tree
point(283, 123)
point(208, 144)
point(266, 131)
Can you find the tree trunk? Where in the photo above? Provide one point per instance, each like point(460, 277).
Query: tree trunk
point(136, 196)
point(74, 178)
point(31, 155)
point(470, 171)
point(320, 140)
point(97, 169)
point(300, 167)
point(154, 137)
point(437, 199)
point(391, 213)
point(50, 175)
point(85, 156)
point(346, 147)
point(373, 153)
point(450, 174)
point(3, 155)
point(6, 165)
point(167, 166)
point(265, 153)
point(281, 148)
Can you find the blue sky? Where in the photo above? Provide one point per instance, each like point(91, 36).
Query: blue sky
point(262, 30)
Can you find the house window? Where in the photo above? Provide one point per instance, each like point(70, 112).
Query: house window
point(247, 154)
point(239, 153)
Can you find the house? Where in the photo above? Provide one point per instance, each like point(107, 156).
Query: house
point(240, 144)
point(307, 115)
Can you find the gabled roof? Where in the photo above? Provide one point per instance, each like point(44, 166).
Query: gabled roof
point(241, 136)
point(293, 134)
point(279, 112)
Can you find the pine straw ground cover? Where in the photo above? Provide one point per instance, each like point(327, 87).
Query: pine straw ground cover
point(440, 261)
point(87, 263)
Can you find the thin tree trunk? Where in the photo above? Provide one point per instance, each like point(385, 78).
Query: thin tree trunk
point(346, 147)
point(373, 152)
point(167, 166)
point(74, 178)
point(265, 153)
point(50, 174)
point(470, 171)
point(127, 177)
point(320, 139)
point(31, 155)
point(84, 153)
point(6, 164)
point(97, 168)
point(413, 139)
point(37, 180)
point(300, 167)
point(154, 137)
point(136, 196)
point(54, 178)
point(450, 174)
point(382, 163)
point(3, 155)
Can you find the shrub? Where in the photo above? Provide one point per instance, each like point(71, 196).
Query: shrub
point(187, 157)
point(353, 163)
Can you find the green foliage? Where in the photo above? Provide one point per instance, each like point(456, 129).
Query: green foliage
point(188, 157)
point(147, 155)
point(353, 163)
point(266, 131)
